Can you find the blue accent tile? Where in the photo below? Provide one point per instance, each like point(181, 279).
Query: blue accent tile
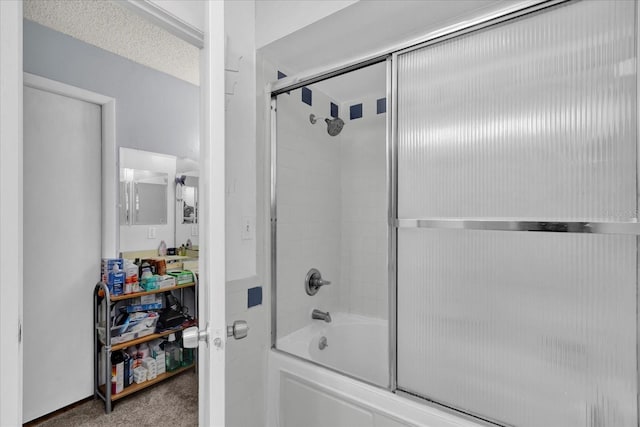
point(355, 111)
point(306, 95)
point(254, 296)
point(334, 110)
point(281, 75)
point(381, 105)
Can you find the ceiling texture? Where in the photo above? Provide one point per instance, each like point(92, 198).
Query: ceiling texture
point(116, 29)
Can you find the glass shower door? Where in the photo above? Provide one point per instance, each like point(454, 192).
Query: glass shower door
point(529, 125)
point(330, 223)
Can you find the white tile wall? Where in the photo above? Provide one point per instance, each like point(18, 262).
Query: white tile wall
point(364, 211)
point(309, 210)
point(332, 211)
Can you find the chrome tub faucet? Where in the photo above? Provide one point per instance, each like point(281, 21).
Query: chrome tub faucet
point(321, 315)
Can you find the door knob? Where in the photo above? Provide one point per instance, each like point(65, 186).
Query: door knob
point(191, 336)
point(238, 330)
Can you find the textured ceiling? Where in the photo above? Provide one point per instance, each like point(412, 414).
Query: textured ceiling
point(113, 28)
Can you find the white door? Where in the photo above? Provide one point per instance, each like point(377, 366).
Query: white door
point(62, 248)
point(212, 314)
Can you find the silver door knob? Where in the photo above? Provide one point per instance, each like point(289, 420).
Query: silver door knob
point(238, 330)
point(191, 336)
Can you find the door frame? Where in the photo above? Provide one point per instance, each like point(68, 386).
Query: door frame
point(11, 223)
point(11, 208)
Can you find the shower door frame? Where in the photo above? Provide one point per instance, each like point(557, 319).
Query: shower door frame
point(273, 105)
point(511, 12)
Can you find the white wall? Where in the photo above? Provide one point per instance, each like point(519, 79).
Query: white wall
point(278, 18)
point(135, 237)
point(241, 137)
point(246, 358)
point(365, 280)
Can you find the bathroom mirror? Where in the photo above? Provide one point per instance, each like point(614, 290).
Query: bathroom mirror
point(143, 197)
point(188, 200)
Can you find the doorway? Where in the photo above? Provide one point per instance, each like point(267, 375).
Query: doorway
point(142, 119)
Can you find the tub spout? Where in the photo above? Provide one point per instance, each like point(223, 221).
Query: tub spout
point(321, 315)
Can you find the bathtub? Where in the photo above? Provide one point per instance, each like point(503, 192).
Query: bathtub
point(301, 393)
point(356, 345)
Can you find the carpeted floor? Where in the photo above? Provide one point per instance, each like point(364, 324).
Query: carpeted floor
point(173, 402)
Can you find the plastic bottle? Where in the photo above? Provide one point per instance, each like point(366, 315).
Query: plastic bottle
point(117, 279)
point(128, 370)
point(172, 354)
point(131, 277)
point(186, 355)
point(117, 372)
point(162, 249)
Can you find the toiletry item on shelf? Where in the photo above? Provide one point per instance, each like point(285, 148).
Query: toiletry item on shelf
point(139, 375)
point(135, 361)
point(127, 371)
point(186, 355)
point(166, 281)
point(182, 277)
point(131, 277)
point(183, 250)
point(149, 363)
point(162, 249)
point(172, 354)
point(117, 372)
point(112, 274)
point(189, 244)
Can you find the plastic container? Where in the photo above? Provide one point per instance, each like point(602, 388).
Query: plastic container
point(131, 277)
point(172, 353)
point(117, 372)
point(186, 355)
point(162, 249)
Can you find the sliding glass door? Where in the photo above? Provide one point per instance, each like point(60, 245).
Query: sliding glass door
point(528, 125)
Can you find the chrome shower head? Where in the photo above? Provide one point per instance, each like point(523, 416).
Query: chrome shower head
point(334, 126)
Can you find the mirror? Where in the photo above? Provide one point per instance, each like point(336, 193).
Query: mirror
point(159, 200)
point(187, 199)
point(187, 203)
point(143, 197)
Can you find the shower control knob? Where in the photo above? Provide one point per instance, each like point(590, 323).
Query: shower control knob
point(314, 281)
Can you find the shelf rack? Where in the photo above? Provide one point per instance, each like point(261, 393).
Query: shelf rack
point(101, 295)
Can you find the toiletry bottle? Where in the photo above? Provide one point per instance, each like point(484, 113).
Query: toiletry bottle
point(162, 249)
point(172, 353)
point(186, 355)
point(117, 372)
point(127, 368)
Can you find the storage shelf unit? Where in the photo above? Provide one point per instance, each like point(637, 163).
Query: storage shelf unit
point(137, 387)
point(102, 305)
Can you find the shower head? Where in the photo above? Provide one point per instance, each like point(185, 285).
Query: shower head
point(334, 126)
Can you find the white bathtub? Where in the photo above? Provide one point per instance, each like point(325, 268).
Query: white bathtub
point(357, 345)
point(302, 394)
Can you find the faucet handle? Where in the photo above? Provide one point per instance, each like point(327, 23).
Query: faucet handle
point(318, 281)
point(314, 281)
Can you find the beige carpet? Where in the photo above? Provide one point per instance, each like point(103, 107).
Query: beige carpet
point(173, 402)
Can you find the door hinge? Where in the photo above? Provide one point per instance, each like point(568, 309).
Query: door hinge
point(19, 332)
